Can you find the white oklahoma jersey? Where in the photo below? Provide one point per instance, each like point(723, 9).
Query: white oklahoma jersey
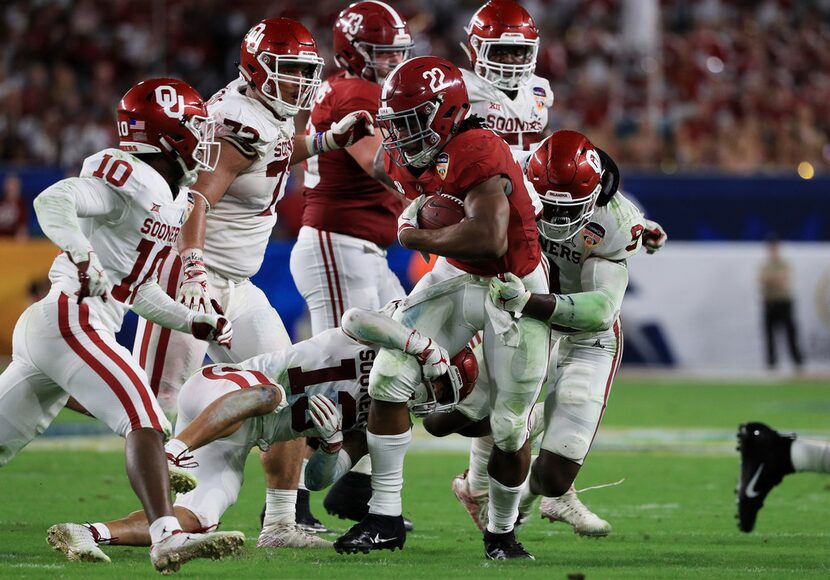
point(60, 348)
point(236, 236)
point(329, 363)
point(583, 364)
point(521, 121)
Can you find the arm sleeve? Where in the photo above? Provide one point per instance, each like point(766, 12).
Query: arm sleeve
point(59, 206)
point(152, 303)
point(597, 307)
point(323, 469)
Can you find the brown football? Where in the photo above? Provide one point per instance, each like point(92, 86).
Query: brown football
point(440, 211)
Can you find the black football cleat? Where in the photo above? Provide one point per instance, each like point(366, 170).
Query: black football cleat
point(504, 547)
point(303, 516)
point(374, 532)
point(765, 460)
point(348, 498)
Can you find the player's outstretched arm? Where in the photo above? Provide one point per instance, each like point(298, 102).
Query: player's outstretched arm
point(604, 283)
point(153, 303)
point(323, 468)
point(481, 235)
point(343, 134)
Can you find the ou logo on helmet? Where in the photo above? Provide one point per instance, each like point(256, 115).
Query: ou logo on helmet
point(352, 25)
point(254, 38)
point(592, 157)
point(171, 102)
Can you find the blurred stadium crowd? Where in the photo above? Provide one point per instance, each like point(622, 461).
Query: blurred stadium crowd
point(731, 85)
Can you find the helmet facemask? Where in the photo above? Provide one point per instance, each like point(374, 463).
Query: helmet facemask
point(403, 130)
point(203, 157)
point(499, 74)
point(426, 401)
point(307, 83)
point(563, 217)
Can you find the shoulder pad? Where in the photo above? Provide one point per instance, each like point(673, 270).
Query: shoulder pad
point(622, 227)
point(241, 119)
point(124, 174)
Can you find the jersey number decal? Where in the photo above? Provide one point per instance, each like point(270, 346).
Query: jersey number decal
point(118, 174)
point(247, 134)
point(437, 81)
point(300, 379)
point(145, 248)
point(636, 232)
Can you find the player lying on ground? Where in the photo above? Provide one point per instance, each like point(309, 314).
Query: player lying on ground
point(317, 387)
point(766, 458)
point(115, 224)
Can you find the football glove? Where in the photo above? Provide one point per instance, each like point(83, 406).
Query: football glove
point(654, 237)
point(433, 358)
point(93, 278)
point(344, 133)
point(193, 292)
point(328, 422)
point(409, 219)
point(509, 294)
point(212, 327)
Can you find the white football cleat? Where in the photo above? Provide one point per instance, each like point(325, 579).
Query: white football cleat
point(169, 554)
point(289, 535)
point(181, 476)
point(569, 509)
point(76, 542)
point(476, 505)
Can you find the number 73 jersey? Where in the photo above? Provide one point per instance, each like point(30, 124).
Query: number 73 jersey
point(329, 364)
point(127, 212)
point(614, 233)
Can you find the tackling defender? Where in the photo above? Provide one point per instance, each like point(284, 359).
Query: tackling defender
point(349, 218)
point(115, 224)
point(223, 243)
point(318, 387)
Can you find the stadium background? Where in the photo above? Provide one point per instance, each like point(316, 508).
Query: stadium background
point(717, 113)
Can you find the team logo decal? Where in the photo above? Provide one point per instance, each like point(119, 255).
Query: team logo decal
point(442, 162)
point(539, 96)
point(593, 234)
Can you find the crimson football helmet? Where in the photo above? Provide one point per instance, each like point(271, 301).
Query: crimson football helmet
point(502, 26)
point(280, 61)
point(370, 39)
point(168, 116)
point(463, 375)
point(422, 104)
point(566, 171)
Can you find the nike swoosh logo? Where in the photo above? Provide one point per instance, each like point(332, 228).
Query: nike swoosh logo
point(750, 488)
point(377, 539)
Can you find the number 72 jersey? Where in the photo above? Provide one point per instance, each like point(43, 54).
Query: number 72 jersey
point(329, 364)
point(132, 238)
point(614, 233)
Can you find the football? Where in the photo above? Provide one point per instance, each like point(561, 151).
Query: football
point(440, 211)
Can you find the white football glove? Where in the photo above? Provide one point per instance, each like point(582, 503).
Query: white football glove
point(654, 237)
point(509, 294)
point(344, 133)
point(212, 327)
point(93, 278)
point(409, 219)
point(434, 359)
point(328, 421)
point(193, 292)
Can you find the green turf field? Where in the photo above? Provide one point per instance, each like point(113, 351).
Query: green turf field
point(672, 516)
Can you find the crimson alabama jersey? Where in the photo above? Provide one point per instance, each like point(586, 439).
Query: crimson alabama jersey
point(339, 196)
point(330, 364)
point(138, 235)
point(521, 120)
point(239, 226)
point(470, 158)
point(614, 233)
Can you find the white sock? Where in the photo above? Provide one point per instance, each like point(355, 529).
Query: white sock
point(302, 476)
point(477, 477)
point(810, 455)
point(280, 506)
point(387, 452)
point(526, 497)
point(175, 447)
point(163, 528)
point(104, 535)
point(503, 508)
point(363, 465)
